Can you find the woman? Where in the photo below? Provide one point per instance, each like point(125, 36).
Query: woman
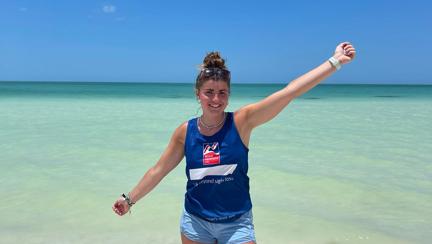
point(217, 202)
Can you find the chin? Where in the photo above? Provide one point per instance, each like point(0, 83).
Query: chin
point(216, 110)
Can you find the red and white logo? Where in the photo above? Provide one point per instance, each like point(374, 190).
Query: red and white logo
point(211, 153)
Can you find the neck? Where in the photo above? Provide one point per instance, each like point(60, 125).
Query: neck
point(212, 119)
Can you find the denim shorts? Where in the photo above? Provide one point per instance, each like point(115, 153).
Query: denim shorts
point(239, 231)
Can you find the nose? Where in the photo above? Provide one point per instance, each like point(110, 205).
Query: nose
point(216, 98)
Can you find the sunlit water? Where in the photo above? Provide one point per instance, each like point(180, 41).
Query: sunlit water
point(342, 164)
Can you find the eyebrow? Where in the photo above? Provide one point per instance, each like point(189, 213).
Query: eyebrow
point(209, 89)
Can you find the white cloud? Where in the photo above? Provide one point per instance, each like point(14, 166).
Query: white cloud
point(109, 9)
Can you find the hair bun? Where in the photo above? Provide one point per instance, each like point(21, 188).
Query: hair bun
point(214, 60)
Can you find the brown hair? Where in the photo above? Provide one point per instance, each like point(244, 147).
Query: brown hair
point(213, 60)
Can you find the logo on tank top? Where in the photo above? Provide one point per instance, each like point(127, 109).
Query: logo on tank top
point(211, 153)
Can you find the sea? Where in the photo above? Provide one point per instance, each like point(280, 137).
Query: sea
point(340, 164)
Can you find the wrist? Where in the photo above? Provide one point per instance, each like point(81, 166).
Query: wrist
point(335, 62)
point(128, 199)
point(132, 197)
point(338, 57)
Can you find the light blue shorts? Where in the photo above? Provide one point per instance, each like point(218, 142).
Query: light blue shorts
point(239, 231)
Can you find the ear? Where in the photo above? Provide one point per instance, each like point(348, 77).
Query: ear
point(197, 94)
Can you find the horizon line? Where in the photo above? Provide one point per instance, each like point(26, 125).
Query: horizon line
point(233, 83)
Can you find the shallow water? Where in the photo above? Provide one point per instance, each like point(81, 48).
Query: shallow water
point(342, 164)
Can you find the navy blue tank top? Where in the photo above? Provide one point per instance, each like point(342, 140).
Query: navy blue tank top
point(217, 189)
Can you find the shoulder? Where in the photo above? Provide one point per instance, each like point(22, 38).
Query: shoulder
point(241, 118)
point(179, 134)
point(242, 125)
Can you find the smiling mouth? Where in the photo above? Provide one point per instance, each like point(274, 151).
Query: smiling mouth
point(215, 106)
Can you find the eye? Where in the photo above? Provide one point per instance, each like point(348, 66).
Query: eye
point(209, 92)
point(222, 93)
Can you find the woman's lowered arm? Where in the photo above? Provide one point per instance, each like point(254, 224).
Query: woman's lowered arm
point(170, 158)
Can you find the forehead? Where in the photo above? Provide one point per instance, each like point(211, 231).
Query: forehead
point(215, 85)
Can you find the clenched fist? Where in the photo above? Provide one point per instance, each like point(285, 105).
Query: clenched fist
point(345, 52)
point(120, 206)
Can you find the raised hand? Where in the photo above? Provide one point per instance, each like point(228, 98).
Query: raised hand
point(345, 52)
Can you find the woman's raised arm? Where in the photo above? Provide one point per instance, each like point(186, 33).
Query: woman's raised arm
point(258, 113)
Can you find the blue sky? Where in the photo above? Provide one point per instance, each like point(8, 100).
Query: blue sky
point(164, 41)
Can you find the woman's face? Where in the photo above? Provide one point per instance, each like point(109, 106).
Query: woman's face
point(213, 96)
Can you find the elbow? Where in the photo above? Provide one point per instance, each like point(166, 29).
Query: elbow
point(156, 172)
point(291, 93)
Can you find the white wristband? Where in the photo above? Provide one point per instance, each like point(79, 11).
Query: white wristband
point(335, 63)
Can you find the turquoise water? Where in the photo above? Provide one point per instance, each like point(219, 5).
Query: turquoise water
point(341, 164)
